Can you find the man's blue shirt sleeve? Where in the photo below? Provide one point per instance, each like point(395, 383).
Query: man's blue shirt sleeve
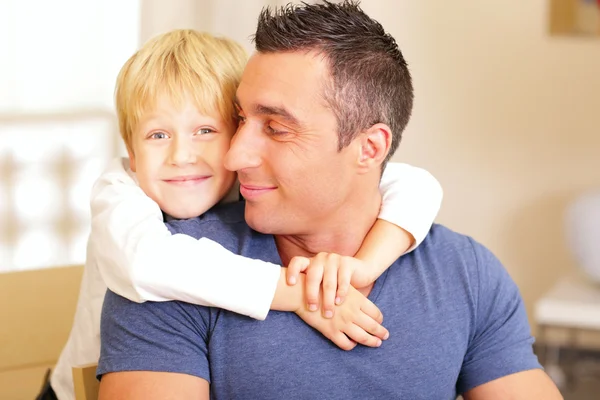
point(500, 342)
point(167, 337)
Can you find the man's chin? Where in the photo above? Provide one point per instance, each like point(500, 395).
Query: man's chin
point(258, 220)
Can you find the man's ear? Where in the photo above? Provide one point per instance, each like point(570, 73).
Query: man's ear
point(131, 158)
point(375, 145)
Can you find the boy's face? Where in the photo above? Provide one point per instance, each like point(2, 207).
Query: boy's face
point(178, 158)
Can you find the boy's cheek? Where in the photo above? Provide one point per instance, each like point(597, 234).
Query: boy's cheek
point(131, 156)
point(132, 165)
point(148, 159)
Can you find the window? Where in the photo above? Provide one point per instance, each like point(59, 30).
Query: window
point(57, 124)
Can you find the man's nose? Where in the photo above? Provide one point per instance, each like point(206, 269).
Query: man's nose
point(245, 149)
point(182, 152)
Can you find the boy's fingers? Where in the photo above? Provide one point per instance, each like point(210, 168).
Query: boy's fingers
point(295, 267)
point(372, 311)
point(330, 282)
point(371, 326)
point(314, 276)
point(359, 335)
point(342, 341)
point(344, 276)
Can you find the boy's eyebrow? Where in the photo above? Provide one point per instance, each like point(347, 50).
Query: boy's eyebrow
point(262, 109)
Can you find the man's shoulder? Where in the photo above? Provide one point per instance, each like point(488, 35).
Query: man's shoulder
point(222, 216)
point(224, 224)
point(229, 213)
point(442, 241)
point(168, 336)
point(454, 256)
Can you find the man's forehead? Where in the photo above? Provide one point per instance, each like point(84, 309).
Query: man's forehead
point(282, 77)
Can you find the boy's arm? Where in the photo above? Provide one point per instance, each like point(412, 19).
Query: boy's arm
point(141, 260)
point(411, 199)
point(382, 246)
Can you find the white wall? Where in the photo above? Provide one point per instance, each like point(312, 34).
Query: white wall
point(233, 18)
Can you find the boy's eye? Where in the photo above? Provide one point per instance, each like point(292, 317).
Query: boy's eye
point(158, 135)
point(205, 131)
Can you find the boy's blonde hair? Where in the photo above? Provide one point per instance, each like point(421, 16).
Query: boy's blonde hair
point(177, 64)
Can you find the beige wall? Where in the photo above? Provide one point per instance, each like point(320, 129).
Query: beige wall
point(507, 118)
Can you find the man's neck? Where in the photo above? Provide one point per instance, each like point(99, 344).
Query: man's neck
point(342, 234)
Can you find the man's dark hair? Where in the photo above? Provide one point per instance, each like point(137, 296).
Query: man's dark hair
point(370, 82)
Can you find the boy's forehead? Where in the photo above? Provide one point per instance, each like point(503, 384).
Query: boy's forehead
point(165, 105)
point(181, 99)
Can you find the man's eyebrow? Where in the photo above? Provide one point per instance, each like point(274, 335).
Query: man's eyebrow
point(262, 109)
point(265, 110)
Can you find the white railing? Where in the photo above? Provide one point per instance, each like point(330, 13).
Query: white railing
point(47, 168)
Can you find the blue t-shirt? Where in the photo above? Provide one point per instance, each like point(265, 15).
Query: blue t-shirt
point(456, 321)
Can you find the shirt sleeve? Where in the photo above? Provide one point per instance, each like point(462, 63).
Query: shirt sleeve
point(500, 343)
point(140, 259)
point(411, 199)
point(159, 337)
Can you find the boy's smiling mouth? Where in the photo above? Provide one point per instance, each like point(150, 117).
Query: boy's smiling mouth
point(187, 180)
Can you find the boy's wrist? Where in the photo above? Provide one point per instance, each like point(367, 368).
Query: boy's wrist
point(365, 274)
point(288, 298)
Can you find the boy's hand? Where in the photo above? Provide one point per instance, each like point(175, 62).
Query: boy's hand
point(358, 320)
point(335, 271)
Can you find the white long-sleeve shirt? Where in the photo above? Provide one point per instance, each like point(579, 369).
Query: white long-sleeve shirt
point(131, 251)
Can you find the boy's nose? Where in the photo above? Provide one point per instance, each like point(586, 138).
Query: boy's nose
point(182, 153)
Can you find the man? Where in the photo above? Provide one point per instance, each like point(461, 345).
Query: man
point(322, 107)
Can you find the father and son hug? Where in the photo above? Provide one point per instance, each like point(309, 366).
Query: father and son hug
point(257, 243)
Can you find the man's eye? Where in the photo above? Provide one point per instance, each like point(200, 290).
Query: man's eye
point(273, 131)
point(241, 119)
point(158, 135)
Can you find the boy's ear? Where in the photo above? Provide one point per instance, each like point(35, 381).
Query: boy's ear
point(374, 147)
point(131, 159)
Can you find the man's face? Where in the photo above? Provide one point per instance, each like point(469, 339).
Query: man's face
point(178, 158)
point(285, 151)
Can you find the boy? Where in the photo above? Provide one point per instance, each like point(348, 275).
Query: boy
point(174, 101)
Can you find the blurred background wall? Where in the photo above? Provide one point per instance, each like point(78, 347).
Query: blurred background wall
point(506, 116)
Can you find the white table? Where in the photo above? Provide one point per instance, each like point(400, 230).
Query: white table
point(573, 304)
